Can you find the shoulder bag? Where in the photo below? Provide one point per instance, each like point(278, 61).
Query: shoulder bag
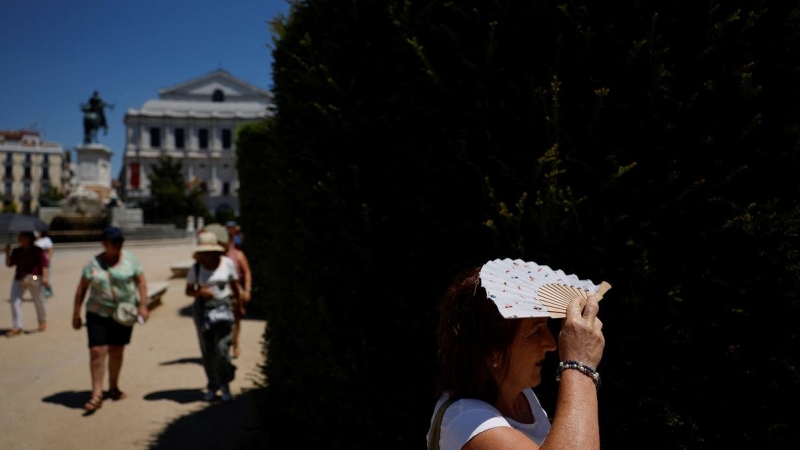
point(436, 427)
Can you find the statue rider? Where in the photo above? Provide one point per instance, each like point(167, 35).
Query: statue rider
point(95, 117)
point(97, 105)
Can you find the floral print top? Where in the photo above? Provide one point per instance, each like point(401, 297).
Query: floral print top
point(102, 300)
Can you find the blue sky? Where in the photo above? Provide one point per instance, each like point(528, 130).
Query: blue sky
point(55, 53)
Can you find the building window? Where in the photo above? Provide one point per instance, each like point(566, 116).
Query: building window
point(202, 136)
point(135, 176)
point(226, 138)
point(218, 96)
point(45, 173)
point(9, 172)
point(155, 137)
point(226, 188)
point(7, 188)
point(45, 185)
point(26, 189)
point(27, 172)
point(27, 158)
point(45, 159)
point(9, 157)
point(180, 140)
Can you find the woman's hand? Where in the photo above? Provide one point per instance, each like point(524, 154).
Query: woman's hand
point(205, 292)
point(581, 337)
point(144, 312)
point(76, 321)
point(244, 296)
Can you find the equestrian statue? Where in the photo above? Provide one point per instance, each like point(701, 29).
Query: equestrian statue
point(94, 118)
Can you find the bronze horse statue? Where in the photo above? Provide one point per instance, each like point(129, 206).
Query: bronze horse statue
point(94, 118)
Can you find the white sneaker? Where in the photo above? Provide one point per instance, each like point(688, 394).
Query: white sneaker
point(209, 395)
point(226, 394)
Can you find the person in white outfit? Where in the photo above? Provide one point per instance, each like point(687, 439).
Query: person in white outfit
point(489, 366)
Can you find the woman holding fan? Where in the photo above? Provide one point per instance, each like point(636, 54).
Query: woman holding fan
point(490, 360)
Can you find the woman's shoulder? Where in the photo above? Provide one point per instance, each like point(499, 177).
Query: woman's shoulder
point(129, 256)
point(465, 418)
point(460, 406)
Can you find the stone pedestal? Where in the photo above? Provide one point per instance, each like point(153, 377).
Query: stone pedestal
point(94, 169)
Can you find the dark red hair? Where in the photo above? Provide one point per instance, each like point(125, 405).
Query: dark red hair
point(470, 331)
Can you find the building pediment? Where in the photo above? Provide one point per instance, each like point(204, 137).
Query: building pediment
point(204, 87)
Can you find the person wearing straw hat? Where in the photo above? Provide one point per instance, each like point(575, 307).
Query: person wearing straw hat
point(111, 278)
point(239, 258)
point(213, 283)
point(489, 364)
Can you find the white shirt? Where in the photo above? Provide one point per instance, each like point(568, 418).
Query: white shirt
point(218, 280)
point(44, 243)
point(468, 417)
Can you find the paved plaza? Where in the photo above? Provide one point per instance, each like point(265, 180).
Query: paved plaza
point(44, 376)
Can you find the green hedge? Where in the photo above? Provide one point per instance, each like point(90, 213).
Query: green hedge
point(649, 144)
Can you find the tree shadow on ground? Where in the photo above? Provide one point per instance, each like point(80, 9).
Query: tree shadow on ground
point(220, 426)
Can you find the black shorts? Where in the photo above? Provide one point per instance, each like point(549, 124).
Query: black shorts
point(106, 331)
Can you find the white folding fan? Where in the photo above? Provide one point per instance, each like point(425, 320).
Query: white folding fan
point(525, 289)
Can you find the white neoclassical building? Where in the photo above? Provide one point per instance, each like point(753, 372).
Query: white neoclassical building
point(194, 123)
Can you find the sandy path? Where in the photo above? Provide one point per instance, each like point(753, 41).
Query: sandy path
point(44, 377)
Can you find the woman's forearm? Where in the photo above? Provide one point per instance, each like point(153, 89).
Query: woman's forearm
point(576, 423)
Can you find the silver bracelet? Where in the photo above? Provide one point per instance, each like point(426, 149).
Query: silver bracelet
point(580, 367)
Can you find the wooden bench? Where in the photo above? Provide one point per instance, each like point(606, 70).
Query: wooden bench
point(154, 293)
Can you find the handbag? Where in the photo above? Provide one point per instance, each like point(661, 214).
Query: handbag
point(125, 313)
point(436, 427)
point(219, 316)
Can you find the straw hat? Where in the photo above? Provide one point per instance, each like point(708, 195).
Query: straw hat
point(223, 236)
point(207, 242)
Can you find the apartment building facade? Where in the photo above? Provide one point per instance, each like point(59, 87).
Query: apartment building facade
point(31, 168)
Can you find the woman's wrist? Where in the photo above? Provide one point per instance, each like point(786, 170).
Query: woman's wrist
point(580, 367)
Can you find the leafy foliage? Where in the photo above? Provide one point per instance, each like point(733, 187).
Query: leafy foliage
point(171, 199)
point(52, 197)
point(652, 145)
point(10, 207)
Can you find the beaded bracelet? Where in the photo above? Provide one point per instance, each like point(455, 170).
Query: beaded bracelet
point(581, 367)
